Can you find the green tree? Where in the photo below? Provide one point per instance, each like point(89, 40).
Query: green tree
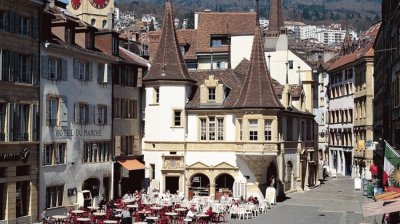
point(190, 19)
point(151, 26)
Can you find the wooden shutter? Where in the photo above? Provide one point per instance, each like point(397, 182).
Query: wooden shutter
point(35, 78)
point(140, 77)
point(64, 70)
point(47, 109)
point(17, 65)
point(89, 70)
point(91, 113)
point(29, 68)
point(63, 110)
point(135, 112)
point(35, 26)
point(45, 67)
point(109, 73)
point(100, 73)
point(11, 16)
point(1, 64)
point(6, 22)
point(17, 23)
point(76, 68)
point(77, 121)
point(96, 114)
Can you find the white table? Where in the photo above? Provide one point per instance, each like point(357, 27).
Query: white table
point(99, 213)
point(83, 219)
point(92, 208)
point(110, 221)
point(76, 212)
point(132, 206)
point(59, 218)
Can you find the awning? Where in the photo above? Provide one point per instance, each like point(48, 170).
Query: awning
point(132, 164)
point(380, 207)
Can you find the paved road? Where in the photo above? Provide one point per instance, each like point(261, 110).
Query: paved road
point(334, 202)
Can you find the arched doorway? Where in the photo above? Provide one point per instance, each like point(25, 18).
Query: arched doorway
point(199, 185)
point(271, 175)
point(224, 185)
point(288, 175)
point(93, 185)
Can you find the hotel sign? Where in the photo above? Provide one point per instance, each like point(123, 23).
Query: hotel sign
point(78, 133)
point(15, 156)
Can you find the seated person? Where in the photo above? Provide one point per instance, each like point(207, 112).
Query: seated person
point(126, 217)
point(209, 212)
point(128, 195)
point(191, 213)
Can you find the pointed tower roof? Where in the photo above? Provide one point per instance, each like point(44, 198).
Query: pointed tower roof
point(258, 91)
point(275, 18)
point(346, 44)
point(168, 63)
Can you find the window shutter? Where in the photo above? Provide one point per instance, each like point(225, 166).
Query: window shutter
point(29, 69)
point(140, 77)
point(34, 61)
point(17, 23)
point(6, 21)
point(77, 121)
point(45, 67)
point(89, 70)
point(134, 109)
point(100, 73)
point(11, 66)
point(11, 17)
point(47, 111)
point(96, 114)
point(76, 68)
point(17, 65)
point(91, 113)
point(63, 120)
point(1, 64)
point(11, 122)
point(109, 73)
point(64, 70)
point(108, 112)
point(35, 26)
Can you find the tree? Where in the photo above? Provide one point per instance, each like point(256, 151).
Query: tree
point(190, 19)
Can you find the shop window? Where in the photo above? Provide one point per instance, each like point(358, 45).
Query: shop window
point(22, 197)
point(54, 196)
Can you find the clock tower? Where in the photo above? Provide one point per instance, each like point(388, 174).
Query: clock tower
point(98, 13)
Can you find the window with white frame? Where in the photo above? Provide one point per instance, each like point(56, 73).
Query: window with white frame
point(96, 152)
point(54, 154)
point(211, 93)
point(83, 113)
point(212, 128)
point(52, 107)
point(53, 69)
point(25, 25)
point(54, 196)
point(102, 114)
point(268, 130)
point(177, 117)
point(60, 153)
point(253, 130)
point(203, 129)
point(83, 71)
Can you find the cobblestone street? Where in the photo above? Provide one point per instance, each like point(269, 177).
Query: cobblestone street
point(335, 201)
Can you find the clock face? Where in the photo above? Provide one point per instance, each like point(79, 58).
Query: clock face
point(99, 4)
point(76, 4)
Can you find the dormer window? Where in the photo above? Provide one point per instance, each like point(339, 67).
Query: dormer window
point(89, 40)
point(219, 40)
point(211, 93)
point(69, 35)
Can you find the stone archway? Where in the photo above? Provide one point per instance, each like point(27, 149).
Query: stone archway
point(272, 174)
point(93, 185)
point(199, 185)
point(289, 177)
point(223, 185)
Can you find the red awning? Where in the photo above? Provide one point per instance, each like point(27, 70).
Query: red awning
point(132, 164)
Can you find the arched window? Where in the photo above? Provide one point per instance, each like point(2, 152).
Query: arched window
point(104, 24)
point(93, 22)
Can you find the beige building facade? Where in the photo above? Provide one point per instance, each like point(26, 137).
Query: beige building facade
point(19, 104)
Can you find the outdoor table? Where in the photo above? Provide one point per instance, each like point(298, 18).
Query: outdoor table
point(92, 208)
point(152, 219)
point(140, 223)
point(173, 215)
point(99, 213)
point(202, 216)
point(59, 218)
point(132, 206)
point(77, 212)
point(83, 220)
point(110, 221)
point(118, 209)
point(156, 209)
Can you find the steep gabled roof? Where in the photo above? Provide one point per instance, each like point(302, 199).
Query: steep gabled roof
point(258, 91)
point(168, 64)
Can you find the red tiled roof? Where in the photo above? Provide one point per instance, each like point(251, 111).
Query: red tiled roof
point(168, 63)
point(258, 90)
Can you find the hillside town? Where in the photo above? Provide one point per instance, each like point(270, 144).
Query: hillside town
point(111, 117)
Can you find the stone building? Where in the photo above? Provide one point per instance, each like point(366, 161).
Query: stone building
point(19, 110)
point(209, 132)
point(350, 105)
point(75, 88)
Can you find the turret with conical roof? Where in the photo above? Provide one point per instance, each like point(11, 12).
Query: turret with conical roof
point(168, 63)
point(258, 91)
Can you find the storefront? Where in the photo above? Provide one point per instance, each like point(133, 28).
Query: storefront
point(18, 183)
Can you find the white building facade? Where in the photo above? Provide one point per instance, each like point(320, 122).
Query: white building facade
point(76, 150)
